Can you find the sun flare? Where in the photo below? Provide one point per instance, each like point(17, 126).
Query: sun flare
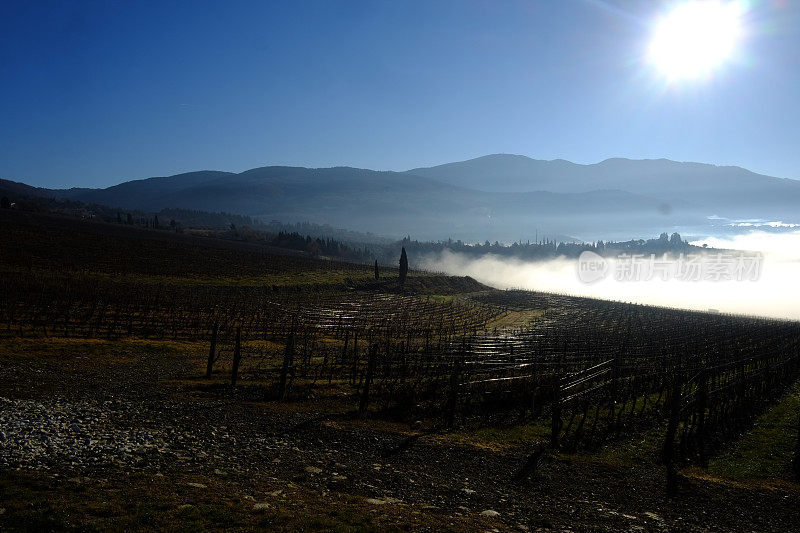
point(695, 38)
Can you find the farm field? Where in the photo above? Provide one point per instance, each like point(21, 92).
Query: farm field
point(147, 380)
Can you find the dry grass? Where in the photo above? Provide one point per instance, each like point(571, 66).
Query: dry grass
point(144, 502)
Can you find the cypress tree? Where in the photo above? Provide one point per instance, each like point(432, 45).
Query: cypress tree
point(403, 266)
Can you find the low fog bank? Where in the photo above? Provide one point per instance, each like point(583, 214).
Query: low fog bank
point(776, 292)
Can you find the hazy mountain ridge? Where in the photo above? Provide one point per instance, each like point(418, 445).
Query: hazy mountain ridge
point(516, 173)
point(492, 197)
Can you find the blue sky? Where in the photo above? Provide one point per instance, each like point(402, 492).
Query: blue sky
point(94, 93)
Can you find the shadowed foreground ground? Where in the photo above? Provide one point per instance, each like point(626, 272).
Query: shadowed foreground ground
point(123, 435)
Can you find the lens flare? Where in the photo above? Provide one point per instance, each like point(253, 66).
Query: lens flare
point(695, 38)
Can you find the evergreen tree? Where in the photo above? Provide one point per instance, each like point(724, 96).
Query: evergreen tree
point(403, 266)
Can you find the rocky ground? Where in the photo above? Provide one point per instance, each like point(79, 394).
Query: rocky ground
point(141, 426)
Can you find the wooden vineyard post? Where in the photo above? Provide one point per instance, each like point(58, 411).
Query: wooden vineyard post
point(237, 355)
point(452, 395)
point(212, 351)
point(668, 454)
point(288, 365)
point(304, 359)
point(796, 460)
point(354, 365)
point(555, 426)
point(372, 361)
point(702, 402)
point(614, 395)
point(344, 348)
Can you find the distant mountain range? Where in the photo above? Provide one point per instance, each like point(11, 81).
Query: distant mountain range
point(681, 184)
point(505, 197)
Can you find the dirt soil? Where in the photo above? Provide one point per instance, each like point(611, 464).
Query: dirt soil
point(138, 441)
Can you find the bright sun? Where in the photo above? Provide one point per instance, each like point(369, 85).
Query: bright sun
point(695, 37)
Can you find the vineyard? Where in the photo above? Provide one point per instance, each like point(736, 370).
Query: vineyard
point(593, 371)
point(441, 354)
